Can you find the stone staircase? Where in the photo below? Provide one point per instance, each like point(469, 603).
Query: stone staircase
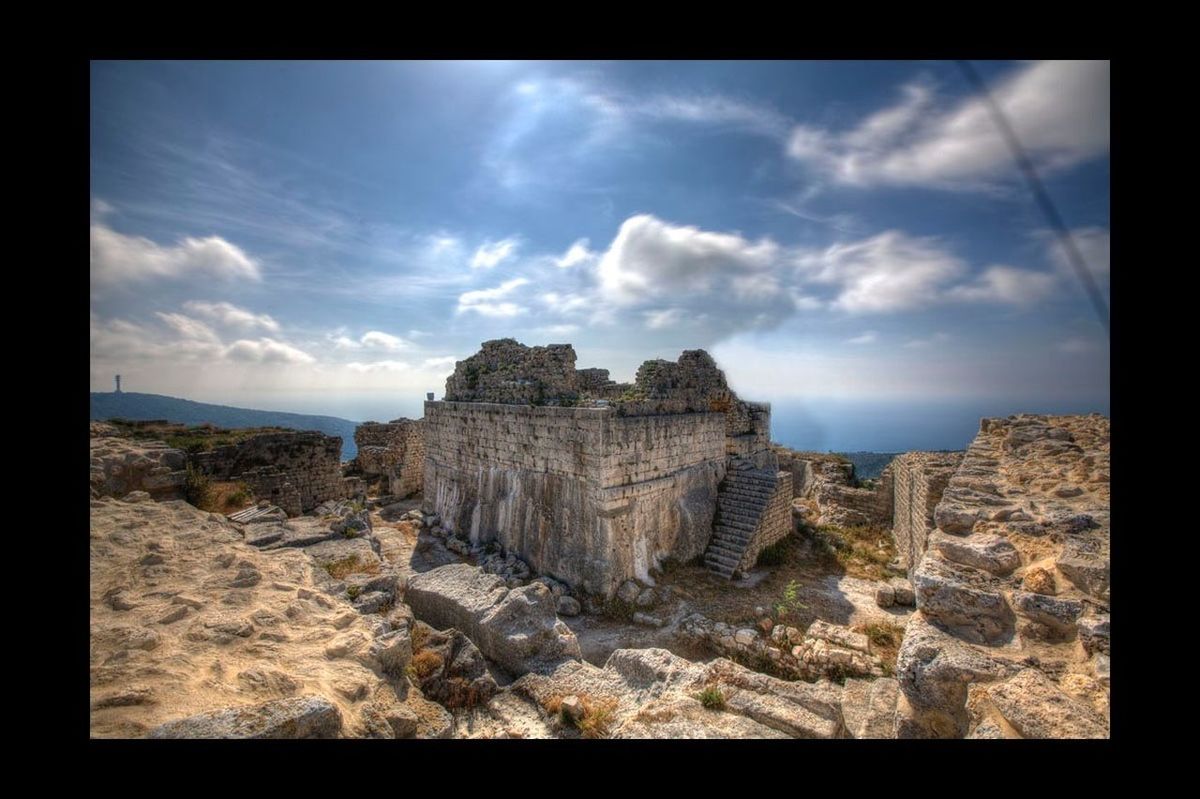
point(743, 499)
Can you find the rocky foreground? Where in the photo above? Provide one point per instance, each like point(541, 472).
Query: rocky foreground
point(198, 633)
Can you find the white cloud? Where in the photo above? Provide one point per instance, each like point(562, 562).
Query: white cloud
point(650, 257)
point(490, 253)
point(231, 315)
point(868, 337)
point(577, 253)
point(487, 302)
point(384, 341)
point(266, 350)
point(378, 366)
point(189, 328)
point(1092, 243)
point(1006, 285)
point(557, 330)
point(1076, 345)
point(118, 258)
point(566, 303)
point(1058, 109)
point(372, 339)
point(888, 272)
point(442, 364)
point(658, 320)
point(717, 111)
point(922, 343)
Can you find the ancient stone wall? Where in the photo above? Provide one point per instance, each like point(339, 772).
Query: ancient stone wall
point(582, 494)
point(918, 480)
point(396, 451)
point(300, 468)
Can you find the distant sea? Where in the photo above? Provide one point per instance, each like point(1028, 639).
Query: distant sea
point(845, 426)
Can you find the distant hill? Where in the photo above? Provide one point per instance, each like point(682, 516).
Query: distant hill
point(868, 464)
point(131, 405)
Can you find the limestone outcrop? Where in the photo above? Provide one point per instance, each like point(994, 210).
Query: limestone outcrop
point(120, 466)
point(197, 633)
point(1000, 618)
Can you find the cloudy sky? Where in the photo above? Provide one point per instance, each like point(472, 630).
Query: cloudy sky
point(331, 237)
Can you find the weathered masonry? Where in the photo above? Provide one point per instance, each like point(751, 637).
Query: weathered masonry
point(589, 481)
point(295, 470)
point(918, 480)
point(582, 494)
point(394, 451)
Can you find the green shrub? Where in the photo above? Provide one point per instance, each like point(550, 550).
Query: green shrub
point(712, 697)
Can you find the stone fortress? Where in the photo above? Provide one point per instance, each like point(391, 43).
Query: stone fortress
point(593, 482)
point(572, 494)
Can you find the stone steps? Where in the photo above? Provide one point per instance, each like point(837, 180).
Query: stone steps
point(742, 501)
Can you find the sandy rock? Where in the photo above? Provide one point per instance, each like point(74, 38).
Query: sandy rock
point(1037, 708)
point(962, 599)
point(991, 553)
point(1039, 581)
point(568, 606)
point(934, 669)
point(302, 717)
point(885, 596)
point(1056, 614)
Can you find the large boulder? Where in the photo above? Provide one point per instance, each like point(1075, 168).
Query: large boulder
point(516, 628)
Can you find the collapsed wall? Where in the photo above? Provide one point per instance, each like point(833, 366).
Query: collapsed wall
point(1011, 634)
point(394, 451)
point(296, 470)
point(918, 480)
point(582, 494)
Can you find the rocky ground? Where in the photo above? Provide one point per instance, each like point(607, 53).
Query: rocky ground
point(365, 619)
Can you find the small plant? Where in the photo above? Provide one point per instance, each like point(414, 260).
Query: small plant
point(353, 591)
point(790, 604)
point(197, 488)
point(712, 697)
point(424, 664)
point(619, 610)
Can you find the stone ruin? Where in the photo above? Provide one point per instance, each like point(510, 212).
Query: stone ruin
point(593, 482)
point(394, 453)
point(295, 470)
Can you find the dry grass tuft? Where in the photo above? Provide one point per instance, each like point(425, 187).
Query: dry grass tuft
point(424, 664)
point(351, 565)
point(885, 641)
point(597, 716)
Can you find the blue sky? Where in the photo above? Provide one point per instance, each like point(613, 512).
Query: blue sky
point(330, 237)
